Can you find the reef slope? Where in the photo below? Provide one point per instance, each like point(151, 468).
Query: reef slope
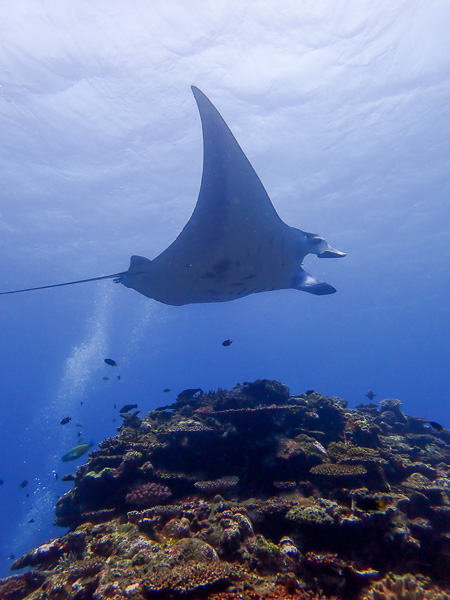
point(253, 493)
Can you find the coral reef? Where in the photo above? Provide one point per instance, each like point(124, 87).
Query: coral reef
point(253, 493)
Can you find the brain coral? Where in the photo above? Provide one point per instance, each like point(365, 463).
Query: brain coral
point(310, 515)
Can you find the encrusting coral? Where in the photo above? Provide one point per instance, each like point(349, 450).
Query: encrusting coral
point(252, 493)
point(405, 587)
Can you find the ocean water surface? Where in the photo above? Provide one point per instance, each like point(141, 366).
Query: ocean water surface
point(342, 109)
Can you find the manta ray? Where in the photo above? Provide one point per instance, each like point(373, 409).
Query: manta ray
point(234, 244)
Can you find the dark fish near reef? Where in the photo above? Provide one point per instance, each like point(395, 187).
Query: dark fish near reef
point(166, 390)
point(1, 482)
point(189, 393)
point(436, 426)
point(65, 420)
point(127, 408)
point(308, 392)
point(23, 484)
point(227, 342)
point(370, 395)
point(55, 475)
point(76, 452)
point(111, 362)
point(106, 378)
point(11, 557)
point(31, 521)
point(118, 377)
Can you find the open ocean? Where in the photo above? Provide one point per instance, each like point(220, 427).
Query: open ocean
point(343, 110)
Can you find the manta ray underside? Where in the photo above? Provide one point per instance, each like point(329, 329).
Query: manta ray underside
point(234, 244)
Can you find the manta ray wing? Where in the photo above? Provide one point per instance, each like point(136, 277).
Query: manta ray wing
point(234, 244)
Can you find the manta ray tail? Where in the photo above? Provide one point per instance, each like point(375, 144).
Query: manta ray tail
point(44, 287)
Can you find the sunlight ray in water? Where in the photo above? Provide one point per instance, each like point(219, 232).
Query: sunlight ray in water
point(148, 313)
point(82, 369)
point(79, 371)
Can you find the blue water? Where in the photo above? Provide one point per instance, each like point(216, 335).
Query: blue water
point(343, 114)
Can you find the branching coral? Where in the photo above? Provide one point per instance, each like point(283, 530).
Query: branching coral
point(216, 486)
point(340, 470)
point(183, 428)
point(189, 579)
point(148, 494)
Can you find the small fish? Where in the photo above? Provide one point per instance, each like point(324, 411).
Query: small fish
point(27, 495)
point(111, 362)
point(76, 452)
point(31, 521)
point(370, 395)
point(188, 394)
point(1, 482)
point(55, 475)
point(115, 405)
point(118, 377)
point(23, 484)
point(368, 504)
point(114, 420)
point(106, 378)
point(78, 424)
point(65, 420)
point(127, 408)
point(320, 448)
point(81, 403)
point(227, 342)
point(166, 390)
point(436, 426)
point(79, 434)
point(11, 557)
